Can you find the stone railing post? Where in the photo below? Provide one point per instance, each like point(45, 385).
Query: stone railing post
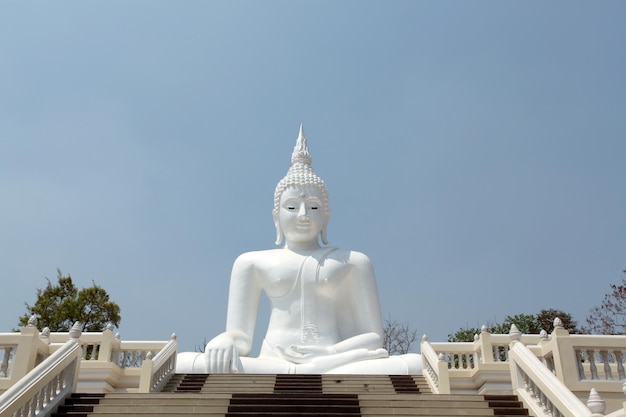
point(486, 349)
point(145, 379)
point(444, 375)
point(562, 353)
point(26, 353)
point(107, 346)
point(75, 333)
point(514, 333)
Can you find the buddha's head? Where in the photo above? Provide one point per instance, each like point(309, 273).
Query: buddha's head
point(301, 189)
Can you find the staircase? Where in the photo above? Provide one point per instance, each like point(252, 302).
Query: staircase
point(291, 395)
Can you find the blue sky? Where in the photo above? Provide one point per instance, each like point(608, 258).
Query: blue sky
point(472, 149)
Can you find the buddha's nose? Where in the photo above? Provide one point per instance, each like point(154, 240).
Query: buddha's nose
point(302, 210)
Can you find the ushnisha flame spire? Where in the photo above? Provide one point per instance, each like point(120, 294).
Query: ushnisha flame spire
point(300, 173)
point(301, 151)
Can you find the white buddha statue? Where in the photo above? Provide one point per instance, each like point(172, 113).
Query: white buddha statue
point(325, 314)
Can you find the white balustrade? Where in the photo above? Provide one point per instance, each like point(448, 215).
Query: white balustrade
point(540, 390)
point(458, 356)
point(133, 354)
point(435, 368)
point(21, 351)
point(156, 372)
point(42, 389)
point(600, 363)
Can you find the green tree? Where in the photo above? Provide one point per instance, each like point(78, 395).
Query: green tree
point(526, 323)
point(464, 334)
point(545, 320)
point(59, 306)
point(610, 316)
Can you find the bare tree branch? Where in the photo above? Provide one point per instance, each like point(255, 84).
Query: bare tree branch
point(398, 337)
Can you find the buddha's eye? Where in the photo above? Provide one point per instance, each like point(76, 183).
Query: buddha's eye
point(314, 208)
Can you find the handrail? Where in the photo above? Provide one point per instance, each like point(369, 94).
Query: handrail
point(540, 390)
point(155, 372)
point(42, 389)
point(435, 371)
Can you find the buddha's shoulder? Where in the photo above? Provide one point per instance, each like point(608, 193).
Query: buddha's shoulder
point(345, 255)
point(271, 256)
point(356, 258)
point(260, 256)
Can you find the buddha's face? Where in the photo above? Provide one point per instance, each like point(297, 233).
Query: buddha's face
point(302, 215)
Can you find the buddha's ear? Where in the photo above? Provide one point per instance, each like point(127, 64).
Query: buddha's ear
point(323, 232)
point(279, 232)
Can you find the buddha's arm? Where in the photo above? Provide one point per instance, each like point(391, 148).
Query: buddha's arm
point(243, 303)
point(222, 352)
point(363, 299)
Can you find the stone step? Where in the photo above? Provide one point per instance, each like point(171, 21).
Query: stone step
point(200, 402)
point(506, 405)
point(416, 401)
point(334, 399)
point(158, 409)
point(329, 383)
point(291, 395)
point(78, 405)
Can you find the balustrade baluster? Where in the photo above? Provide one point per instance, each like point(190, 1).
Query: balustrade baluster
point(25, 410)
point(41, 399)
point(94, 351)
point(536, 392)
point(541, 399)
point(58, 383)
point(607, 364)
point(592, 364)
point(33, 407)
point(579, 364)
point(619, 357)
point(48, 392)
point(523, 376)
point(4, 370)
point(64, 378)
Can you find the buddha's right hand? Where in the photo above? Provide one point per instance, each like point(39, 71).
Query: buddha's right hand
point(221, 355)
